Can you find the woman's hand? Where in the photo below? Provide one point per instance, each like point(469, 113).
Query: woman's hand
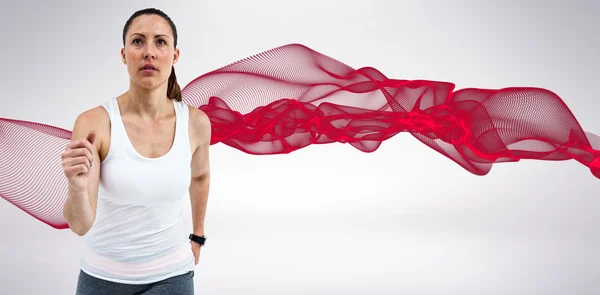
point(77, 160)
point(196, 250)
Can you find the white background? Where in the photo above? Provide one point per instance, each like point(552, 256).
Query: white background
point(330, 219)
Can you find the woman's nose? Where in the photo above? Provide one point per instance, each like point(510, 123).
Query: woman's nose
point(148, 54)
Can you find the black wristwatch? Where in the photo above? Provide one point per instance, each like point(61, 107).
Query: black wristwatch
point(198, 239)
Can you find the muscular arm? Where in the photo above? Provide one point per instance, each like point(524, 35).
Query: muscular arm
point(200, 132)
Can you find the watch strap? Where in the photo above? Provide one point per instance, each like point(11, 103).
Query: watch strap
point(198, 239)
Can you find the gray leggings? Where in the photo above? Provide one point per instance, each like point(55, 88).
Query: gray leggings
point(177, 285)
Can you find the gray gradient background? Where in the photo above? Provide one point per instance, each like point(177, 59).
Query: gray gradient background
point(402, 220)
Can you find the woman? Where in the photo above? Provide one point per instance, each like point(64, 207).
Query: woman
point(129, 166)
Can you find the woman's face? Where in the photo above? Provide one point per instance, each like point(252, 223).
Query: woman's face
point(149, 52)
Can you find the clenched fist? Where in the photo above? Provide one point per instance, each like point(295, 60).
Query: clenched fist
point(77, 160)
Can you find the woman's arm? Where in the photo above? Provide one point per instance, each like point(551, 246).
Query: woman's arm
point(201, 134)
point(80, 207)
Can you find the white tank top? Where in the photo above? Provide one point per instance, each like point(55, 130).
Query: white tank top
point(138, 235)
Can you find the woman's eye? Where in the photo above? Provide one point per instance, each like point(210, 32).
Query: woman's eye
point(137, 41)
point(162, 42)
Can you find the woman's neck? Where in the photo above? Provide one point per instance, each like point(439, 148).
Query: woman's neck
point(148, 104)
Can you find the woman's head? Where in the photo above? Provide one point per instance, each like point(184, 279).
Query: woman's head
point(150, 50)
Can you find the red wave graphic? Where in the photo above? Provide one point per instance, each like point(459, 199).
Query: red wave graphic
point(290, 97)
point(31, 173)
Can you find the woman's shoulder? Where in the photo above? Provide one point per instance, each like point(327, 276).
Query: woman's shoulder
point(199, 123)
point(93, 117)
point(198, 118)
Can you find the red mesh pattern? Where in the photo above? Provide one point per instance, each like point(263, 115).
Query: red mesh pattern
point(291, 97)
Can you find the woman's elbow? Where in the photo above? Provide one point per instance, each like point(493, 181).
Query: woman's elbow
point(79, 227)
point(80, 230)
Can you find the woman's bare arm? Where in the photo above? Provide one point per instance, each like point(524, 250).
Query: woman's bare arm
point(200, 130)
point(80, 207)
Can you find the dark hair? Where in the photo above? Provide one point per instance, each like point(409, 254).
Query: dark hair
point(173, 90)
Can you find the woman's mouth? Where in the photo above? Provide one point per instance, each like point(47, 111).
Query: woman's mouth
point(149, 68)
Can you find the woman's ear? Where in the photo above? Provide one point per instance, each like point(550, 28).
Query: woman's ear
point(176, 56)
point(123, 56)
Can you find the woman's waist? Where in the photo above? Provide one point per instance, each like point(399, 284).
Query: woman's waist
point(131, 244)
point(136, 266)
